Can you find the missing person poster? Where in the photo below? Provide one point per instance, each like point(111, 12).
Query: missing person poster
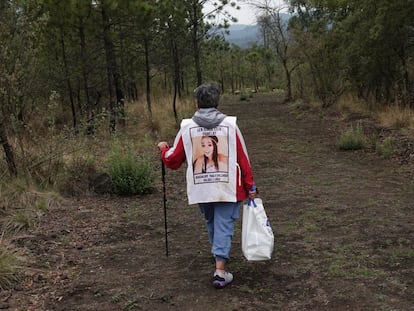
point(210, 154)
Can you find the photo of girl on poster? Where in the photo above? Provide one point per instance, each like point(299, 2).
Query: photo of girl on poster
point(210, 160)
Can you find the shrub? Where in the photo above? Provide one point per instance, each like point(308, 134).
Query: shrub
point(20, 220)
point(10, 260)
point(74, 180)
point(397, 117)
point(130, 174)
point(386, 149)
point(243, 96)
point(352, 139)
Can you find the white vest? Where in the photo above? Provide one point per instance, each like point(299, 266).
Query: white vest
point(211, 170)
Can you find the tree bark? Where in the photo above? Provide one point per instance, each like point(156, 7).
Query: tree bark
point(147, 75)
point(8, 151)
point(84, 59)
point(69, 84)
point(177, 91)
point(113, 70)
point(196, 43)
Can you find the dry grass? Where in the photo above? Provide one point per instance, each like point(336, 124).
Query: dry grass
point(11, 261)
point(22, 205)
point(51, 158)
point(44, 155)
point(396, 117)
point(350, 104)
point(160, 122)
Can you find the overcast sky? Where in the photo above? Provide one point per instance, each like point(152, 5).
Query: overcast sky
point(247, 13)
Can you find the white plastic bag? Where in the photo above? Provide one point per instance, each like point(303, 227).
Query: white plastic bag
point(257, 235)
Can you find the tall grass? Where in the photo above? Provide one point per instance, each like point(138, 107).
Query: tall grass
point(52, 156)
point(130, 174)
point(11, 263)
point(352, 139)
point(386, 149)
point(351, 104)
point(394, 116)
point(397, 117)
point(53, 160)
point(22, 206)
point(160, 123)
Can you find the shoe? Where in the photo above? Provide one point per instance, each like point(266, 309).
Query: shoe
point(222, 279)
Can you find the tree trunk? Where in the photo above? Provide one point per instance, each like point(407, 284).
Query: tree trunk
point(221, 71)
point(90, 115)
point(176, 78)
point(196, 45)
point(147, 75)
point(8, 151)
point(69, 84)
point(116, 96)
point(288, 81)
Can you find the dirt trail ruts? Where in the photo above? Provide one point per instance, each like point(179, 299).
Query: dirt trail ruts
point(343, 224)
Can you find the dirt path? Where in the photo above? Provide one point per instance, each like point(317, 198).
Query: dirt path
point(343, 224)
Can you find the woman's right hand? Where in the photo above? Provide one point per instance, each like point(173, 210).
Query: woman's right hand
point(252, 194)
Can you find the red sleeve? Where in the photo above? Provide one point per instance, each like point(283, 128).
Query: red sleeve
point(175, 156)
point(244, 163)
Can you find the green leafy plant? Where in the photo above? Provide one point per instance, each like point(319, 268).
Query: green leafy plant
point(243, 96)
point(10, 260)
point(130, 304)
point(117, 297)
point(352, 139)
point(20, 220)
point(74, 180)
point(385, 149)
point(130, 174)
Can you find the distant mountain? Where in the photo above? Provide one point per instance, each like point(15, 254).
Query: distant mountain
point(244, 36)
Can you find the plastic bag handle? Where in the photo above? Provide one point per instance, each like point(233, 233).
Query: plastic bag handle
point(250, 201)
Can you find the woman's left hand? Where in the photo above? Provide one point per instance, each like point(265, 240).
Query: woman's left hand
point(252, 195)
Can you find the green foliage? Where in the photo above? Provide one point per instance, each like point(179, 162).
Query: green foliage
point(130, 174)
point(21, 220)
point(130, 304)
point(22, 206)
point(243, 96)
point(352, 139)
point(385, 149)
point(117, 297)
point(355, 45)
point(246, 95)
point(9, 264)
point(75, 181)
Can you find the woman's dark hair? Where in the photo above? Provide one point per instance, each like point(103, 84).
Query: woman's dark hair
point(207, 95)
point(214, 139)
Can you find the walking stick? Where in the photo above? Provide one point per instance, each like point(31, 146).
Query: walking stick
point(165, 208)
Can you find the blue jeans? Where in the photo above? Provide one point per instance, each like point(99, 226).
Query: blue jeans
point(220, 218)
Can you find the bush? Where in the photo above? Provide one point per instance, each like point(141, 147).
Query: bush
point(386, 149)
point(130, 174)
point(243, 96)
point(74, 180)
point(352, 139)
point(20, 220)
point(10, 264)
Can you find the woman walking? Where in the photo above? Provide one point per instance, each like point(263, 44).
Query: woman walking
point(218, 189)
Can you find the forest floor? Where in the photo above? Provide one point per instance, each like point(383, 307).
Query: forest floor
point(343, 224)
